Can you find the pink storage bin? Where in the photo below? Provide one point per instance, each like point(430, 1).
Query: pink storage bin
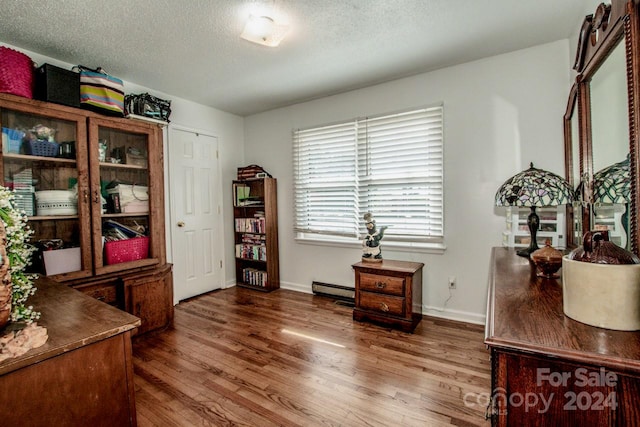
point(16, 73)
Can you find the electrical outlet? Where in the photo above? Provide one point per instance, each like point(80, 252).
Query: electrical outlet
point(452, 282)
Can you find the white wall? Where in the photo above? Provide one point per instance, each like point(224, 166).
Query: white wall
point(500, 114)
point(228, 128)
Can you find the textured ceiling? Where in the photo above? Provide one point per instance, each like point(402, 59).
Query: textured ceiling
point(192, 49)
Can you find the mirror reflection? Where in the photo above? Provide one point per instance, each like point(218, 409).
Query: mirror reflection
point(575, 178)
point(610, 147)
point(573, 125)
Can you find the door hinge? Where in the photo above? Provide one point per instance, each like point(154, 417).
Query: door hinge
point(217, 154)
point(220, 263)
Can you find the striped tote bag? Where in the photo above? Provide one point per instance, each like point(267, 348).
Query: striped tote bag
point(101, 92)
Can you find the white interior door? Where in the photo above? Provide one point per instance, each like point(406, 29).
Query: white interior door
point(196, 229)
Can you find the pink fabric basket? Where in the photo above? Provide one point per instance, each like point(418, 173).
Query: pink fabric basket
point(16, 73)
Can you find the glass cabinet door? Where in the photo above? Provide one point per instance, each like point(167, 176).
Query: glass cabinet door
point(126, 188)
point(44, 162)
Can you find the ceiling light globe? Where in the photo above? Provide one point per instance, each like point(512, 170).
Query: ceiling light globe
point(260, 26)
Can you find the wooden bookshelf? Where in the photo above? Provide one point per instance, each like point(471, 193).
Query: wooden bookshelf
point(255, 217)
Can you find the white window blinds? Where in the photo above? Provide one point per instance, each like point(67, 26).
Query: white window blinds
point(389, 165)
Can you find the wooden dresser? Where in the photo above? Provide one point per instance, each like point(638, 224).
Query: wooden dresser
point(82, 375)
point(389, 293)
point(548, 369)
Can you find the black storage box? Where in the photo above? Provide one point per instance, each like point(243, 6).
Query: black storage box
point(55, 84)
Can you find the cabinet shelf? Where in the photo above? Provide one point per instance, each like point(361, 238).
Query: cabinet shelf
point(121, 166)
point(261, 261)
point(256, 206)
point(51, 217)
point(124, 215)
point(30, 158)
point(255, 287)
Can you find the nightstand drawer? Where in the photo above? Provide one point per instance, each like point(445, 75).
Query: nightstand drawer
point(382, 303)
point(384, 284)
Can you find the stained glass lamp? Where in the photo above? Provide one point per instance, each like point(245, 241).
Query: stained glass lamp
point(534, 188)
point(612, 188)
point(612, 184)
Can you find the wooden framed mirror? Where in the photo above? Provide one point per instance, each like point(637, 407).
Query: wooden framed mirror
point(573, 167)
point(603, 163)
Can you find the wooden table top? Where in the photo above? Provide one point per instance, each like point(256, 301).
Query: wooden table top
point(524, 313)
point(391, 265)
point(72, 319)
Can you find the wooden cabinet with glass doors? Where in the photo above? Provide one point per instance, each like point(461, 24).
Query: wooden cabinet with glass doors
point(92, 188)
point(136, 181)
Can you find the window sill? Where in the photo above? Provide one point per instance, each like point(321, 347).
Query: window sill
point(427, 248)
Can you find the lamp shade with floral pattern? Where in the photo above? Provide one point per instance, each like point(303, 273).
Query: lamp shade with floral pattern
point(612, 184)
point(534, 187)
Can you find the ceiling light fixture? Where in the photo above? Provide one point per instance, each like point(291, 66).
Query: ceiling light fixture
point(264, 30)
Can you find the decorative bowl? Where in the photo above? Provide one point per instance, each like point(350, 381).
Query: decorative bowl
point(548, 261)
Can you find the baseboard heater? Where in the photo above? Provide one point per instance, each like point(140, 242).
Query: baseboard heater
point(343, 293)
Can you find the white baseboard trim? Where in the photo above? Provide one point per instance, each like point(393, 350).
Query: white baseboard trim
point(296, 287)
point(283, 285)
point(449, 314)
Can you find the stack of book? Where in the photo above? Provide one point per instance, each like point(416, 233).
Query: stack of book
point(254, 277)
point(254, 239)
point(250, 225)
point(254, 252)
point(24, 191)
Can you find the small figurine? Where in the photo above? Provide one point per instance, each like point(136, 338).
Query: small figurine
point(371, 251)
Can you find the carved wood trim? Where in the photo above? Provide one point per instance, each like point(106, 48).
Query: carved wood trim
point(585, 30)
point(599, 34)
point(632, 38)
point(586, 152)
point(568, 137)
point(569, 155)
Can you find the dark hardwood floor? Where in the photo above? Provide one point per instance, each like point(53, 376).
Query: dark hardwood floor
point(242, 357)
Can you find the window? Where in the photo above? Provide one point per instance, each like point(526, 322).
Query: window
point(390, 165)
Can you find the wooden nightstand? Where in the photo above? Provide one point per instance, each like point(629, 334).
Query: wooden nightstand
point(389, 293)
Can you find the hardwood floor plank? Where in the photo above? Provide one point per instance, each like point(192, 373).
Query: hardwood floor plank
point(240, 357)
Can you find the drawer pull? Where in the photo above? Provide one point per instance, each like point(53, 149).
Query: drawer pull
point(384, 307)
point(380, 285)
point(101, 298)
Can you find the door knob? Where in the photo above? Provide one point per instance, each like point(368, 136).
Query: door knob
point(180, 224)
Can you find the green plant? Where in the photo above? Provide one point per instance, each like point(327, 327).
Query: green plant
point(19, 252)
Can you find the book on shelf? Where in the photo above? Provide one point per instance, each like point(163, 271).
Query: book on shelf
point(240, 193)
point(254, 239)
point(254, 277)
point(250, 225)
point(251, 252)
point(242, 196)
